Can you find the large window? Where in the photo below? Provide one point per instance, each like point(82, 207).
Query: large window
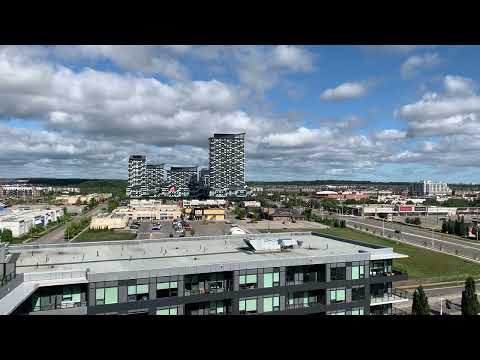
point(247, 306)
point(208, 308)
point(207, 283)
point(167, 311)
point(337, 295)
point(271, 303)
point(167, 289)
point(357, 311)
point(297, 275)
point(271, 279)
point(337, 272)
point(106, 296)
point(358, 272)
point(71, 294)
point(358, 293)
point(138, 292)
point(248, 281)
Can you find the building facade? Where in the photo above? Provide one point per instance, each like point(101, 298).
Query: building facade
point(227, 164)
point(137, 176)
point(429, 188)
point(296, 273)
point(155, 178)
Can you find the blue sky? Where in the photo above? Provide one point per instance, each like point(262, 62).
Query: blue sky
point(389, 113)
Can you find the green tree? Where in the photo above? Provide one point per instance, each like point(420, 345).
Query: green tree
point(6, 235)
point(420, 304)
point(409, 202)
point(192, 231)
point(444, 227)
point(470, 304)
point(417, 221)
point(308, 214)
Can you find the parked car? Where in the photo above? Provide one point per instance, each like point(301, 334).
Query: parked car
point(156, 227)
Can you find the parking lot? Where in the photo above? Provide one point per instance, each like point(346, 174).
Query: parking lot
point(200, 229)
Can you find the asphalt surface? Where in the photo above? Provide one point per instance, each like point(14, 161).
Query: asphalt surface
point(468, 249)
point(57, 236)
point(210, 229)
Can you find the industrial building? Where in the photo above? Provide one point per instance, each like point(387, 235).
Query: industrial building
point(267, 274)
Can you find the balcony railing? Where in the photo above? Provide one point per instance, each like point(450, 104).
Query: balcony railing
point(395, 296)
point(60, 306)
point(381, 272)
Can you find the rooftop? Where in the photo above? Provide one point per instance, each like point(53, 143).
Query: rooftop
point(191, 255)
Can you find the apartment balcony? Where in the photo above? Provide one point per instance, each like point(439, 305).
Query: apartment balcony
point(382, 275)
point(396, 296)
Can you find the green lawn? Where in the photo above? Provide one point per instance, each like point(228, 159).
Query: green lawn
point(104, 235)
point(421, 263)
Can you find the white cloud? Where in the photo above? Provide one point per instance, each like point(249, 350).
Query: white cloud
point(391, 134)
point(293, 57)
point(458, 85)
point(415, 63)
point(348, 90)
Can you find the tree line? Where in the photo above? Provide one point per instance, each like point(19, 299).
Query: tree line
point(455, 227)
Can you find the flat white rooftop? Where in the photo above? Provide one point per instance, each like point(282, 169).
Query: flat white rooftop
point(189, 255)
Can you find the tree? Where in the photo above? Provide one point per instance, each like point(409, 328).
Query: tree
point(420, 302)
point(444, 227)
point(6, 235)
point(470, 304)
point(417, 221)
point(308, 214)
point(78, 202)
point(409, 202)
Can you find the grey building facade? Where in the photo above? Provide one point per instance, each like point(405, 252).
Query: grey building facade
point(226, 275)
point(227, 164)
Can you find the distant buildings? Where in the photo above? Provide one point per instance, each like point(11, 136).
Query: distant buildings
point(17, 190)
point(20, 219)
point(225, 176)
point(429, 188)
point(333, 195)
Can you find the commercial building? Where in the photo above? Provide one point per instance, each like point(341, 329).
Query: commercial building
point(24, 190)
point(20, 219)
point(209, 214)
point(333, 195)
point(145, 210)
point(221, 203)
point(227, 165)
point(292, 273)
point(281, 214)
point(429, 188)
point(75, 199)
point(109, 221)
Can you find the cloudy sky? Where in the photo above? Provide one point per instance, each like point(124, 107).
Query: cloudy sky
point(387, 113)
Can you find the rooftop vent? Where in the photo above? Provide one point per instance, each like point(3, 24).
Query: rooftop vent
point(265, 244)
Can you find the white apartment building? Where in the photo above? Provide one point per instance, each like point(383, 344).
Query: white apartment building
point(429, 188)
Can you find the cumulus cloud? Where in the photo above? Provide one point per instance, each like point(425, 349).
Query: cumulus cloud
point(348, 90)
point(415, 63)
point(456, 111)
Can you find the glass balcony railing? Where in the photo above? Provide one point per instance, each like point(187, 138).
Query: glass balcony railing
point(395, 296)
point(384, 272)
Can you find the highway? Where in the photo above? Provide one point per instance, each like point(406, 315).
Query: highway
point(467, 249)
point(57, 236)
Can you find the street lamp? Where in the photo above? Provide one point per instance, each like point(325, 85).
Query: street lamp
point(441, 306)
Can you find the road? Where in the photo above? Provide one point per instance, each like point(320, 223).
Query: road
point(435, 295)
point(57, 236)
point(467, 249)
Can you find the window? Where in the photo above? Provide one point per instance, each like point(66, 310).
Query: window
point(248, 306)
point(167, 311)
point(358, 293)
point(337, 295)
point(341, 312)
point(106, 296)
point(167, 289)
point(357, 311)
point(271, 303)
point(271, 279)
point(248, 281)
point(358, 272)
point(138, 292)
point(208, 283)
point(337, 273)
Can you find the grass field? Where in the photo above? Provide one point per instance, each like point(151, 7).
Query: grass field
point(421, 263)
point(104, 235)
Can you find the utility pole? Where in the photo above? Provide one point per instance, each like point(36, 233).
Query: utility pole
point(441, 306)
point(383, 227)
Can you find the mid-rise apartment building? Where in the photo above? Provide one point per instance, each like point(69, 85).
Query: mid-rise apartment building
point(291, 273)
point(227, 164)
point(429, 187)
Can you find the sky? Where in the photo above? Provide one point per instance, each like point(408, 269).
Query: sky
point(379, 113)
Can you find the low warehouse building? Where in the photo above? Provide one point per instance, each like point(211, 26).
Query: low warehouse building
point(109, 221)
